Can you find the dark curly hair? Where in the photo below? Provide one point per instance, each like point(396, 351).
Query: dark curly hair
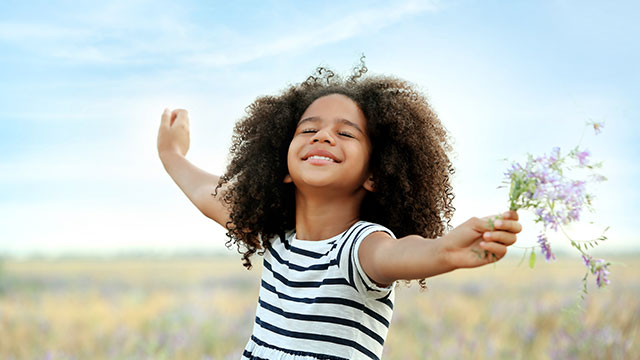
point(409, 160)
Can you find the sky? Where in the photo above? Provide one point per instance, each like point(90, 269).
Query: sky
point(83, 85)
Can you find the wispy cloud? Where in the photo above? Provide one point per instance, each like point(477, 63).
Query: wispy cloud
point(366, 21)
point(138, 33)
point(17, 32)
point(129, 32)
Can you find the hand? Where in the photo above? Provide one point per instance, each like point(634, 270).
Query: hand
point(173, 135)
point(480, 241)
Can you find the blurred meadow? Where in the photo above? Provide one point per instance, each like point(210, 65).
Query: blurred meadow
point(203, 308)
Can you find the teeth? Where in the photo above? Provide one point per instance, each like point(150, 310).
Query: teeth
point(321, 158)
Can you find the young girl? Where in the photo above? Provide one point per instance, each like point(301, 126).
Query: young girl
point(343, 185)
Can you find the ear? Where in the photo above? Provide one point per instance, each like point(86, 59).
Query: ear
point(369, 185)
point(287, 179)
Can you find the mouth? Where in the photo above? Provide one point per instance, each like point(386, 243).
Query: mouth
point(316, 157)
point(320, 156)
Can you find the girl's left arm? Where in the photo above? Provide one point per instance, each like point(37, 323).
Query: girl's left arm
point(474, 243)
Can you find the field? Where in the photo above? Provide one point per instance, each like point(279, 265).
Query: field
point(203, 308)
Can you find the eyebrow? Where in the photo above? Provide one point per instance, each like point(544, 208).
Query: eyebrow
point(342, 121)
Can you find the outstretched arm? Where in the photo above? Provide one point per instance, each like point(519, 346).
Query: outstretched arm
point(385, 259)
point(197, 184)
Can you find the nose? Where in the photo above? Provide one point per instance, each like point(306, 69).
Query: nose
point(323, 135)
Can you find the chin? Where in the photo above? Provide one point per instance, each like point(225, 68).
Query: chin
point(314, 183)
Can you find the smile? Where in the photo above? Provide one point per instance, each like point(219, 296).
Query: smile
point(318, 157)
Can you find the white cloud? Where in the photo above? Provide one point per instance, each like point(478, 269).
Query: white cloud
point(145, 34)
point(17, 32)
point(306, 37)
point(112, 32)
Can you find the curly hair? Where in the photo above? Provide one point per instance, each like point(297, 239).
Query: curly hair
point(409, 160)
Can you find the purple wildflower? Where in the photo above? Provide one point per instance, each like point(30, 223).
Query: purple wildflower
point(541, 184)
point(549, 221)
point(599, 268)
point(597, 127)
point(545, 247)
point(582, 157)
point(601, 272)
point(574, 214)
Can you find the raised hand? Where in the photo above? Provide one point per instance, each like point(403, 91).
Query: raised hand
point(173, 135)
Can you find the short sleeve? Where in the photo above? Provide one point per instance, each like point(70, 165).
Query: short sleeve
point(355, 274)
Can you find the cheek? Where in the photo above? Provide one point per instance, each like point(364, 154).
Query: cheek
point(291, 153)
point(290, 158)
point(362, 153)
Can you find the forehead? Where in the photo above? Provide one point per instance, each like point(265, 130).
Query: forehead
point(336, 106)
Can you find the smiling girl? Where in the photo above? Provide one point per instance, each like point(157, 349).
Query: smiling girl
point(343, 186)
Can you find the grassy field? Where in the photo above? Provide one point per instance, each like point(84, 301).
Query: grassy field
point(203, 309)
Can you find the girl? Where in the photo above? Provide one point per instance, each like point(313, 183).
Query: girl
point(343, 185)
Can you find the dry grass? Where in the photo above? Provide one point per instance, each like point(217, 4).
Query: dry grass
point(204, 308)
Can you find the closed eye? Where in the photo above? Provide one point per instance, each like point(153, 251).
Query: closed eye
point(341, 133)
point(346, 134)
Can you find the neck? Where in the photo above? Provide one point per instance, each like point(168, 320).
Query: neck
point(320, 216)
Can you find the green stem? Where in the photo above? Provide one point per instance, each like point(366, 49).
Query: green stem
point(584, 130)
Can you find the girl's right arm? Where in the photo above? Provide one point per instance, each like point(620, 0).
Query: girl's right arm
point(197, 184)
point(469, 245)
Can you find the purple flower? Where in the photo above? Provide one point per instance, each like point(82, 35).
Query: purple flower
point(545, 247)
point(550, 221)
point(599, 268)
point(574, 214)
point(597, 127)
point(582, 157)
point(601, 273)
point(542, 184)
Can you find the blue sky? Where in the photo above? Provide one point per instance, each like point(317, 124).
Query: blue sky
point(82, 87)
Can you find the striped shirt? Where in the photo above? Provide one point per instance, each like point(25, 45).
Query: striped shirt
point(316, 302)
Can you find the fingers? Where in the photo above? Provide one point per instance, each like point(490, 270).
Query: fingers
point(180, 117)
point(507, 225)
point(501, 231)
point(177, 116)
point(173, 134)
point(498, 249)
point(502, 237)
point(495, 223)
point(510, 215)
point(480, 224)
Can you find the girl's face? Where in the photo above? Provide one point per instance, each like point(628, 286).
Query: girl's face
point(330, 148)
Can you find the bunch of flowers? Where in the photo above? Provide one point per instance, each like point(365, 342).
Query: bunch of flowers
point(543, 185)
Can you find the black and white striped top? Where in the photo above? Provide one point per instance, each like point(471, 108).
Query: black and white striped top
point(316, 302)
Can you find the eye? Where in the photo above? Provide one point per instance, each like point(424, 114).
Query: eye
point(346, 134)
point(308, 131)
